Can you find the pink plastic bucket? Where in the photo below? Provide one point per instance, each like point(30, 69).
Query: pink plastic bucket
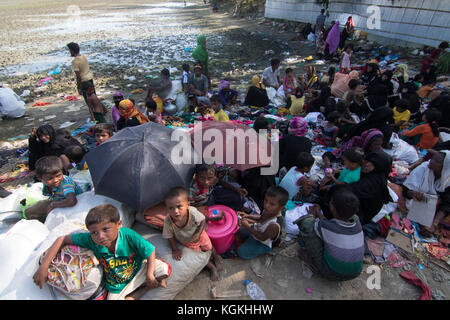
point(222, 232)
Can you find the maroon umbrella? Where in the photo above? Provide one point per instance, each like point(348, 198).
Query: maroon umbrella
point(232, 144)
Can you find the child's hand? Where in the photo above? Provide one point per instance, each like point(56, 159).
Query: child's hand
point(151, 282)
point(177, 254)
point(241, 214)
point(416, 195)
point(33, 132)
point(244, 223)
point(40, 277)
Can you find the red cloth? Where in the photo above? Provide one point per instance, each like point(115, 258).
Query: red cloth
point(202, 245)
point(411, 278)
point(385, 225)
point(40, 104)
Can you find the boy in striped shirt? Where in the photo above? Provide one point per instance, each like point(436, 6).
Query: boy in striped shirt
point(334, 248)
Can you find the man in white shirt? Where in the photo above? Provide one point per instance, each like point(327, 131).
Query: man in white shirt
point(271, 75)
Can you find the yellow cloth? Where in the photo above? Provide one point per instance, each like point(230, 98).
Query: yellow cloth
point(297, 105)
point(401, 116)
point(80, 64)
point(159, 103)
point(221, 116)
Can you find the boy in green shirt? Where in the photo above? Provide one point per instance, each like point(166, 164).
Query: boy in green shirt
point(128, 260)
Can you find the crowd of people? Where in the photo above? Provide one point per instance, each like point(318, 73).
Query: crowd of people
point(355, 112)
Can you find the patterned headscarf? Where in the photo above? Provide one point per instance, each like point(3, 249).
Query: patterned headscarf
point(298, 127)
point(128, 110)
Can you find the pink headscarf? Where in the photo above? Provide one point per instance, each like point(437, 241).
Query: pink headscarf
point(334, 37)
point(340, 83)
point(298, 127)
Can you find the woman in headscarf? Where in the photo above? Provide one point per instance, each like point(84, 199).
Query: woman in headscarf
point(346, 32)
point(371, 189)
point(117, 97)
point(324, 103)
point(130, 116)
point(371, 73)
point(370, 140)
point(295, 142)
point(257, 94)
point(227, 95)
point(379, 119)
point(379, 90)
point(400, 73)
point(46, 141)
point(408, 91)
point(340, 83)
point(200, 54)
point(433, 178)
point(312, 80)
point(332, 41)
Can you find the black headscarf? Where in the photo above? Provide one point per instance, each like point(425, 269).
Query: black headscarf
point(371, 189)
point(368, 77)
point(378, 119)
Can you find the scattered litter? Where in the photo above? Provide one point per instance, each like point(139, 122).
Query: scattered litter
point(53, 72)
point(49, 117)
point(71, 98)
point(239, 43)
point(413, 279)
point(25, 93)
point(40, 104)
point(66, 124)
point(45, 80)
point(137, 91)
point(308, 290)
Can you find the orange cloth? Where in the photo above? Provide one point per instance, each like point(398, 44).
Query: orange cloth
point(428, 140)
point(424, 91)
point(340, 83)
point(202, 245)
point(127, 110)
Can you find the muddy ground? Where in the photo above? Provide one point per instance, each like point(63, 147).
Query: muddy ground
point(138, 39)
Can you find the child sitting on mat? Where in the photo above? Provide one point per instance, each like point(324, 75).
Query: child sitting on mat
point(262, 233)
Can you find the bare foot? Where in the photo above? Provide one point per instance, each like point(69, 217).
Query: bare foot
point(214, 274)
point(162, 281)
point(218, 262)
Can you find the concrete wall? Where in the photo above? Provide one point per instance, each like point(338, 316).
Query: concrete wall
point(403, 22)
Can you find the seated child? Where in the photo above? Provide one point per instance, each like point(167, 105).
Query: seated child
point(426, 89)
point(115, 114)
point(96, 109)
point(206, 190)
point(61, 189)
point(219, 113)
point(185, 78)
point(329, 130)
point(401, 114)
point(73, 157)
point(295, 180)
point(289, 83)
point(186, 225)
point(326, 243)
point(429, 131)
point(346, 119)
point(262, 233)
point(102, 132)
point(153, 114)
point(353, 160)
point(128, 260)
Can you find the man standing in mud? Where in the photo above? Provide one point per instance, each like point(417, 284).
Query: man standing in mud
point(80, 66)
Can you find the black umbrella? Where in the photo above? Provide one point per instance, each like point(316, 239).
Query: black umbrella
point(135, 166)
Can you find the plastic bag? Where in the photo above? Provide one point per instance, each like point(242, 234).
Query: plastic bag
point(10, 103)
point(311, 37)
point(181, 102)
point(16, 246)
point(292, 215)
point(76, 272)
